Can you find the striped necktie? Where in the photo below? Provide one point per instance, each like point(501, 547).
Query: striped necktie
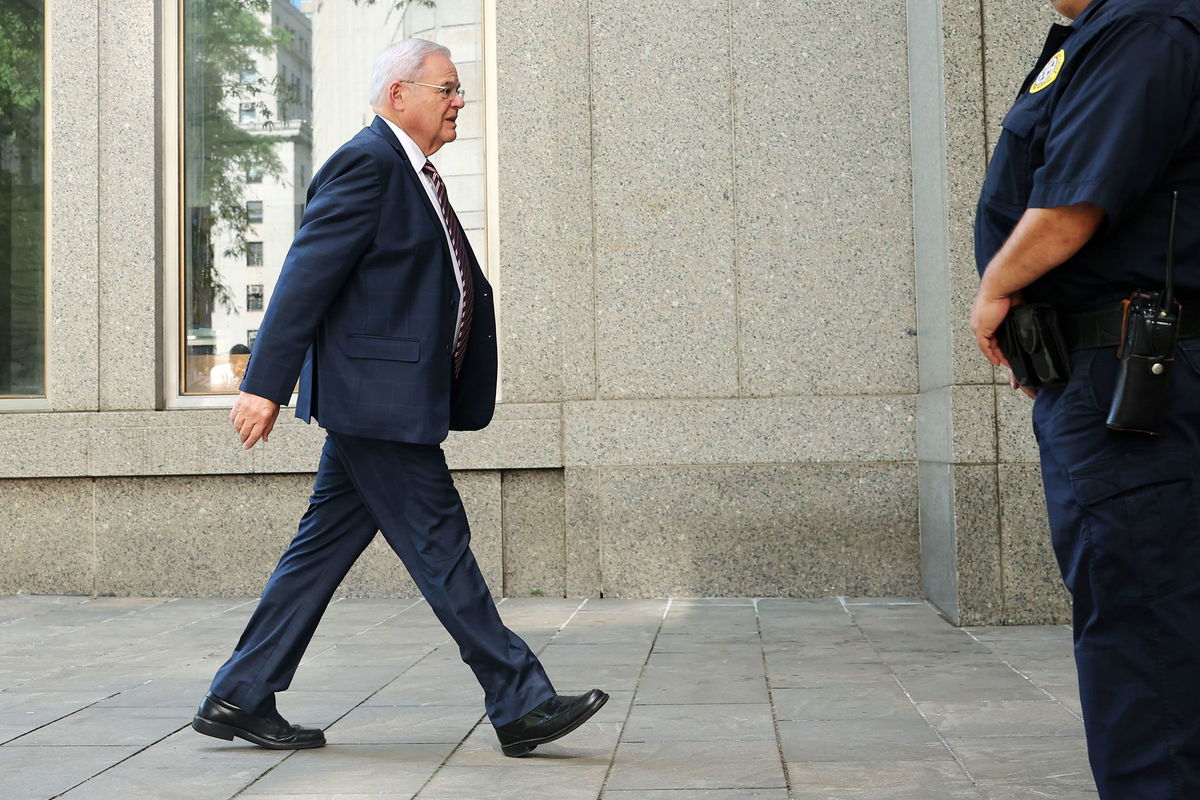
point(458, 240)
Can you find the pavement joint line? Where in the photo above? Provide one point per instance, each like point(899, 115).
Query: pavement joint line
point(99, 656)
point(1032, 682)
point(51, 722)
point(360, 704)
point(762, 649)
point(347, 640)
point(883, 660)
point(612, 760)
point(122, 761)
point(478, 722)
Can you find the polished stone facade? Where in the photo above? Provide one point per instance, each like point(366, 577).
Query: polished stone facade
point(734, 270)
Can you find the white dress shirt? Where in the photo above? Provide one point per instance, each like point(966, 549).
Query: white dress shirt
point(417, 158)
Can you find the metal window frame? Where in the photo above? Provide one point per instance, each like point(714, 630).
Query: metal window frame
point(41, 402)
point(171, 169)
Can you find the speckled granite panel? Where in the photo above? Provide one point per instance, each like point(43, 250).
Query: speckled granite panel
point(758, 431)
point(966, 153)
point(823, 198)
point(42, 452)
point(545, 282)
point(581, 489)
point(957, 425)
point(72, 379)
point(977, 546)
point(194, 536)
point(512, 443)
point(48, 542)
point(1033, 589)
point(129, 273)
point(534, 533)
point(949, 152)
point(202, 442)
point(1014, 428)
point(815, 530)
point(222, 536)
point(663, 182)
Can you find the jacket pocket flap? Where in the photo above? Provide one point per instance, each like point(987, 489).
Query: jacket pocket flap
point(1021, 119)
point(385, 348)
point(1095, 483)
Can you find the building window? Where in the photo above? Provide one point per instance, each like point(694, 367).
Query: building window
point(255, 127)
point(254, 297)
point(22, 201)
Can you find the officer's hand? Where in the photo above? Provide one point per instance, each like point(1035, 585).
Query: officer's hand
point(1012, 381)
point(253, 417)
point(986, 315)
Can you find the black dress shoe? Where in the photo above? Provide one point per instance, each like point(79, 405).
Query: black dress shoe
point(224, 720)
point(556, 717)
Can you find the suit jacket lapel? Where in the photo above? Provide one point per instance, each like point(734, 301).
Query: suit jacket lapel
point(380, 127)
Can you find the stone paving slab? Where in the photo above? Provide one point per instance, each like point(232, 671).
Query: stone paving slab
point(712, 699)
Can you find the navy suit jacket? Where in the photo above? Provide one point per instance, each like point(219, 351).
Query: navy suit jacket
point(365, 308)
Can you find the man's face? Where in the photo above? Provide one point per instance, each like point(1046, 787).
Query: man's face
point(1070, 8)
point(427, 116)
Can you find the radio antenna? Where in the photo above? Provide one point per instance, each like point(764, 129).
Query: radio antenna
point(1169, 293)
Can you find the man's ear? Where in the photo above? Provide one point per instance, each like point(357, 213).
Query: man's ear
point(396, 95)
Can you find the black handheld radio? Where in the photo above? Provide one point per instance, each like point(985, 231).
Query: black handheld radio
point(1149, 332)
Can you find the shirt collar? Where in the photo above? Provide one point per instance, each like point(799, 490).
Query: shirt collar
point(1087, 14)
point(416, 156)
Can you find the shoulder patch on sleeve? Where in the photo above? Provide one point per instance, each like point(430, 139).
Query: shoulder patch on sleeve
point(1049, 73)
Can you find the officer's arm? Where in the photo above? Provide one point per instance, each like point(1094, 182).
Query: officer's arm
point(1043, 239)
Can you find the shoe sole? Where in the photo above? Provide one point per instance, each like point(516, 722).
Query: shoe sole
point(525, 747)
point(228, 732)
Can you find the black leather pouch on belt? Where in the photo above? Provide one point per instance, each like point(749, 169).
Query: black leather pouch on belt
point(1032, 341)
point(1148, 337)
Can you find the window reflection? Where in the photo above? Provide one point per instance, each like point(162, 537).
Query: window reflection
point(22, 199)
point(270, 89)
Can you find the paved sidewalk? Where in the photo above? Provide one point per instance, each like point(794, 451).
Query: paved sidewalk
point(726, 699)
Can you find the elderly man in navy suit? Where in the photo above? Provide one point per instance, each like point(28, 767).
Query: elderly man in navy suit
point(384, 314)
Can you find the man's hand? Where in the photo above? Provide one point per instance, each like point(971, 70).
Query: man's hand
point(987, 313)
point(253, 417)
point(1012, 381)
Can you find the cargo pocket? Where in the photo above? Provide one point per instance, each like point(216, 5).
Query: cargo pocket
point(1140, 521)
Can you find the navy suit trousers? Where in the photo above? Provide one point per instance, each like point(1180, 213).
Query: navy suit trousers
point(1125, 523)
point(405, 491)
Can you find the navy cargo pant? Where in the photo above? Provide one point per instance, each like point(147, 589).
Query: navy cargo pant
point(1125, 521)
point(405, 491)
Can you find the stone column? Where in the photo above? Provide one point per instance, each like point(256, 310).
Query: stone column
point(984, 545)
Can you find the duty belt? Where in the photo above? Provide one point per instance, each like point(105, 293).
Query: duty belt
point(1102, 327)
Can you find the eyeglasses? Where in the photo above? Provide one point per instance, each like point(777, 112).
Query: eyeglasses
point(443, 90)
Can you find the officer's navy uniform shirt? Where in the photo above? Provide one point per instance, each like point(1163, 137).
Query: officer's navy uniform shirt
point(1109, 116)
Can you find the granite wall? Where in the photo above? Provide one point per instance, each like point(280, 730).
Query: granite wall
point(984, 539)
point(733, 274)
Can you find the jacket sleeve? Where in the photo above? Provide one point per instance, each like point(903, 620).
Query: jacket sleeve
point(339, 225)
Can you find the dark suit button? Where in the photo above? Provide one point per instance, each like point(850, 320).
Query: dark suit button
point(447, 348)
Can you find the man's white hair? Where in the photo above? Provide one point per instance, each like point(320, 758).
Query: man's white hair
point(401, 61)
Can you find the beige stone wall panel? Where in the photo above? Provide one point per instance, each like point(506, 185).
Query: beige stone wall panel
point(48, 545)
point(799, 531)
point(663, 181)
point(823, 199)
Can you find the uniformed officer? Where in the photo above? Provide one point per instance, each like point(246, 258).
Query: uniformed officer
point(1075, 212)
